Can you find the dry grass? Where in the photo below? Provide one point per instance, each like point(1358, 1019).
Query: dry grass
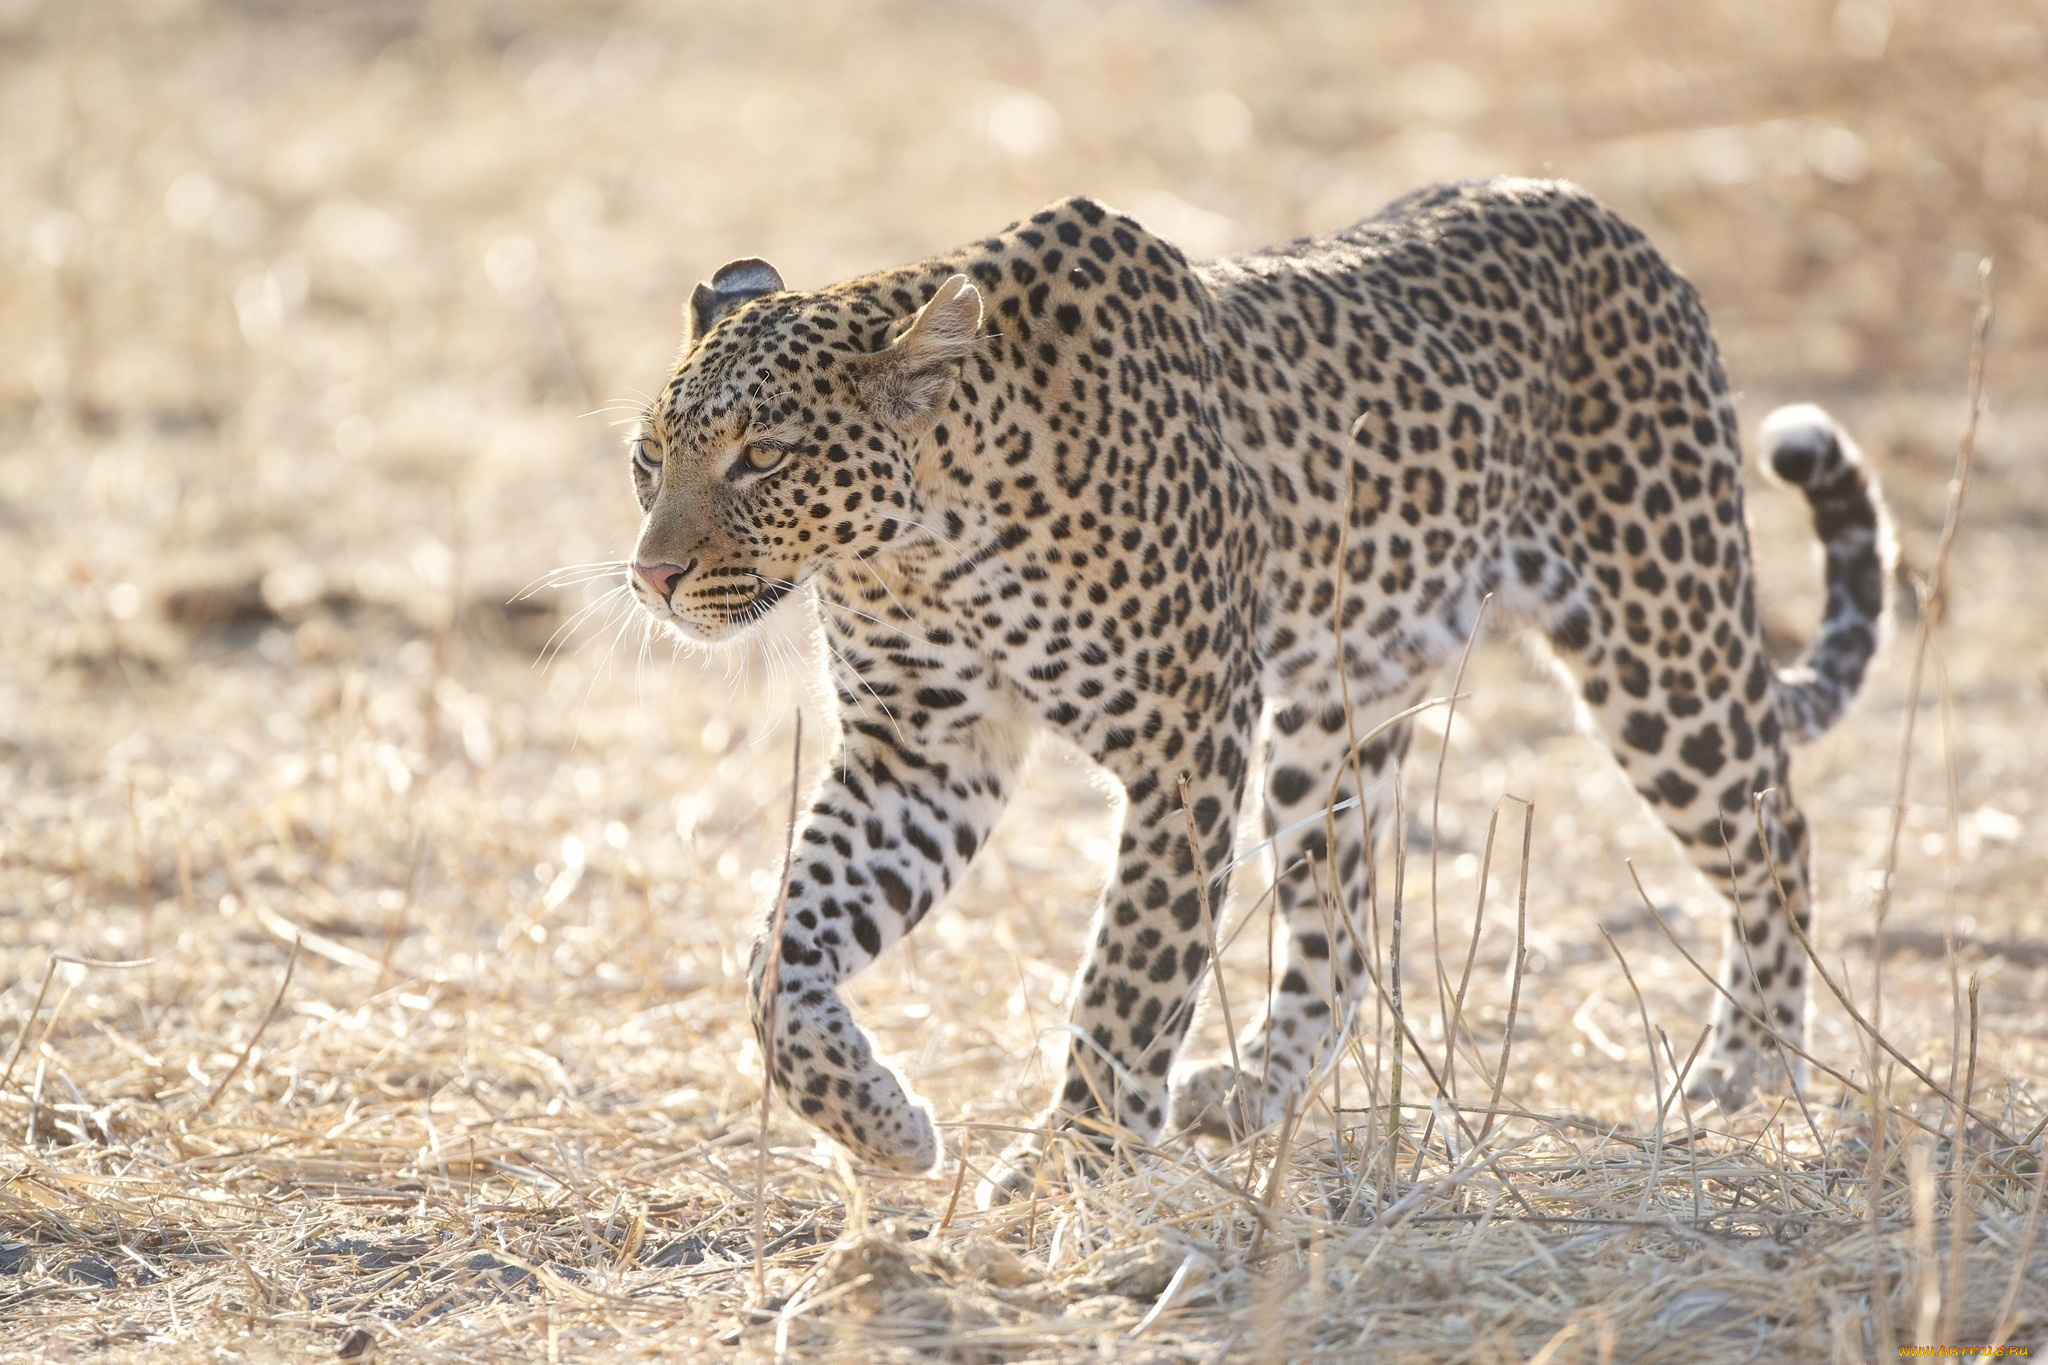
point(300, 313)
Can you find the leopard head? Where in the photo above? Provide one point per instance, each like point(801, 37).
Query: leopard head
point(789, 432)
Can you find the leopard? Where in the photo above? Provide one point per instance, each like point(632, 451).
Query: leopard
point(1220, 525)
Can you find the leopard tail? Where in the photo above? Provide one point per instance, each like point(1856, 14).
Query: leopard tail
point(1807, 448)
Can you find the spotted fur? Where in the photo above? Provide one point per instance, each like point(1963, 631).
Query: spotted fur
point(1065, 478)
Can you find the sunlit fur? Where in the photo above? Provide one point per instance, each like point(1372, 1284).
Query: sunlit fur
point(1199, 517)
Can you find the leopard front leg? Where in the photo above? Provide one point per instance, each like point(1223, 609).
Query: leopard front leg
point(889, 830)
point(1148, 952)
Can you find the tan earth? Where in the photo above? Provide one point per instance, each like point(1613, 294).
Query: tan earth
point(313, 321)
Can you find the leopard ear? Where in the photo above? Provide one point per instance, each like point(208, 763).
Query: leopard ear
point(734, 284)
point(912, 377)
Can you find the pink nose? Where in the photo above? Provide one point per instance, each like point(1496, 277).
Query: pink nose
point(661, 577)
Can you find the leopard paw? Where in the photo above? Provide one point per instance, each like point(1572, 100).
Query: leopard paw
point(1732, 1078)
point(1217, 1099)
point(1014, 1173)
point(904, 1140)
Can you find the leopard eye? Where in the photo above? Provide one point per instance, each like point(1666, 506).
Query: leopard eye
point(761, 459)
point(647, 454)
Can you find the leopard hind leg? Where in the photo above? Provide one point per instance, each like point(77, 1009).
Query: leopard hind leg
point(1327, 812)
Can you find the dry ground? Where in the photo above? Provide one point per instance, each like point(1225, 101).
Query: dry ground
point(302, 314)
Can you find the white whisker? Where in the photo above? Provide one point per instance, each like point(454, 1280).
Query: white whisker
point(640, 664)
point(868, 687)
point(603, 663)
point(822, 601)
point(883, 583)
point(570, 575)
point(931, 531)
point(814, 596)
point(558, 642)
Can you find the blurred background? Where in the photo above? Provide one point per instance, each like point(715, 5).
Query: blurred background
point(316, 320)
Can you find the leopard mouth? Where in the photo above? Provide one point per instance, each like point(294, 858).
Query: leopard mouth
point(724, 619)
point(772, 591)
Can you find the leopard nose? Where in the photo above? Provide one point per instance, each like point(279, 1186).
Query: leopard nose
point(662, 577)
